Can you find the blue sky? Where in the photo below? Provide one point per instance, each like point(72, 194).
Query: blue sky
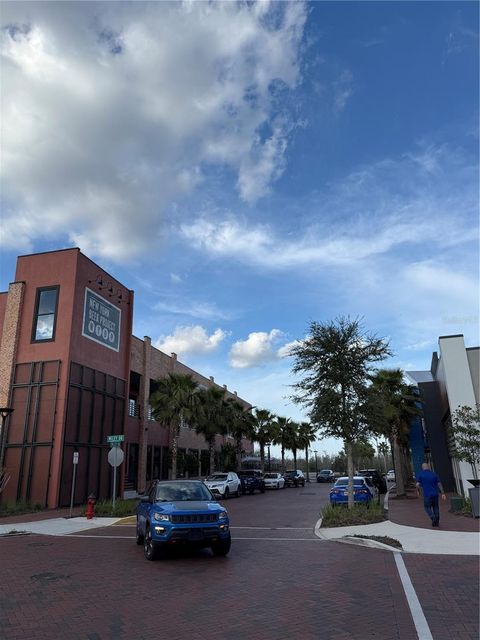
point(249, 168)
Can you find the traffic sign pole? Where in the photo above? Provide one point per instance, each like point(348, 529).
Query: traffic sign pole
point(115, 459)
point(74, 476)
point(114, 486)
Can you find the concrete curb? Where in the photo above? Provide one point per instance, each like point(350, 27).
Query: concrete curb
point(366, 542)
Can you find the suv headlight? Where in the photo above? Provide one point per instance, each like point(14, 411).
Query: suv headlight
point(161, 517)
point(222, 515)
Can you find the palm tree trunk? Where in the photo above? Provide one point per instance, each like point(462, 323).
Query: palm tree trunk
point(283, 458)
point(238, 453)
point(262, 456)
point(174, 451)
point(306, 461)
point(399, 478)
point(294, 451)
point(211, 451)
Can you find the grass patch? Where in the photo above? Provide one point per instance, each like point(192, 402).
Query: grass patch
point(18, 508)
point(391, 542)
point(342, 516)
point(122, 508)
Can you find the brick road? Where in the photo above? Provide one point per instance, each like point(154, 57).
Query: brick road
point(279, 582)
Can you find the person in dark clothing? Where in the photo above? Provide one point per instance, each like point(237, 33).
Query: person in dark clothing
point(431, 487)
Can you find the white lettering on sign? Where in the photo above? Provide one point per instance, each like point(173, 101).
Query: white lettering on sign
point(101, 321)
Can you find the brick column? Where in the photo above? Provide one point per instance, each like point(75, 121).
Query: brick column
point(9, 339)
point(143, 420)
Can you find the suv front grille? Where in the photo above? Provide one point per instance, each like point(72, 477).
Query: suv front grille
point(197, 517)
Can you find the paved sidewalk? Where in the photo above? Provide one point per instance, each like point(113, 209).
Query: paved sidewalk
point(409, 524)
point(412, 539)
point(57, 526)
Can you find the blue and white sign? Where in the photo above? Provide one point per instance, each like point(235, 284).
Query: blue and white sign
point(101, 321)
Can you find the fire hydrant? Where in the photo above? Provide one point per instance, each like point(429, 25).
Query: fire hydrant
point(90, 506)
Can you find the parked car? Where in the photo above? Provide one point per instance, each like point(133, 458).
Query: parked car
point(325, 475)
point(274, 481)
point(363, 491)
point(181, 511)
point(376, 477)
point(390, 477)
point(294, 478)
point(252, 479)
point(224, 484)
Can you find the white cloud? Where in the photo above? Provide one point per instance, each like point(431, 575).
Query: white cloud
point(258, 349)
point(285, 351)
point(115, 109)
point(195, 309)
point(374, 211)
point(190, 340)
point(342, 91)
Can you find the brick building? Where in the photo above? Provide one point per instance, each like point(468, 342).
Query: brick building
point(73, 373)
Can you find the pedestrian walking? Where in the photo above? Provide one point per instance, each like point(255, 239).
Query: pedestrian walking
point(431, 488)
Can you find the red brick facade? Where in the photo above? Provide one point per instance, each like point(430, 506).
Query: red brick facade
point(90, 379)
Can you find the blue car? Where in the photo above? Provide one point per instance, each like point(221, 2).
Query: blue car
point(181, 512)
point(363, 491)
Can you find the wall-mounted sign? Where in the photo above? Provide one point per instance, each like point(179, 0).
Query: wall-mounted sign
point(101, 321)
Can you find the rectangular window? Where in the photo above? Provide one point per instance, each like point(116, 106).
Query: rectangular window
point(45, 314)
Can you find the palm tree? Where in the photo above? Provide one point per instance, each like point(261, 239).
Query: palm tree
point(263, 431)
point(241, 425)
point(282, 436)
point(212, 418)
point(293, 440)
point(392, 406)
point(307, 434)
point(174, 403)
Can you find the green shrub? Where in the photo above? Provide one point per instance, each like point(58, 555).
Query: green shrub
point(18, 508)
point(122, 508)
point(342, 516)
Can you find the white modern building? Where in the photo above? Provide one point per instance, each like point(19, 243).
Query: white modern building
point(452, 382)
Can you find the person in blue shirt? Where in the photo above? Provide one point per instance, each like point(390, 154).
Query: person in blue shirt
point(431, 487)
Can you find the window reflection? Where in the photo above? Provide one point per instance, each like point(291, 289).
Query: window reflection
point(44, 321)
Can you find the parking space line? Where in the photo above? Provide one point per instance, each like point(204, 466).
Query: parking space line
point(419, 620)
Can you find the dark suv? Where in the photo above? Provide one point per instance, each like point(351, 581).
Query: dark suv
point(376, 477)
point(294, 478)
point(325, 475)
point(251, 479)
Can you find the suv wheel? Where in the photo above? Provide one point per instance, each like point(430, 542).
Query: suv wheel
point(226, 494)
point(222, 547)
point(139, 538)
point(149, 548)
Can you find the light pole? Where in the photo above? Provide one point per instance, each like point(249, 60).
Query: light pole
point(316, 461)
point(4, 413)
point(267, 444)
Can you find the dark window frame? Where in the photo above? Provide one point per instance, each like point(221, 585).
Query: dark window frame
point(36, 314)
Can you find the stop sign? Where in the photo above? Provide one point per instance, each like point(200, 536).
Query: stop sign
point(115, 456)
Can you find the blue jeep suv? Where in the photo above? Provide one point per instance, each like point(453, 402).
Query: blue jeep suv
point(181, 512)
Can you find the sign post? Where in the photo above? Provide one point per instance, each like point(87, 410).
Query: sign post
point(74, 476)
point(115, 459)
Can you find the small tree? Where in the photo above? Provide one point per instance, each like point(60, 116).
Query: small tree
point(336, 359)
point(465, 430)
